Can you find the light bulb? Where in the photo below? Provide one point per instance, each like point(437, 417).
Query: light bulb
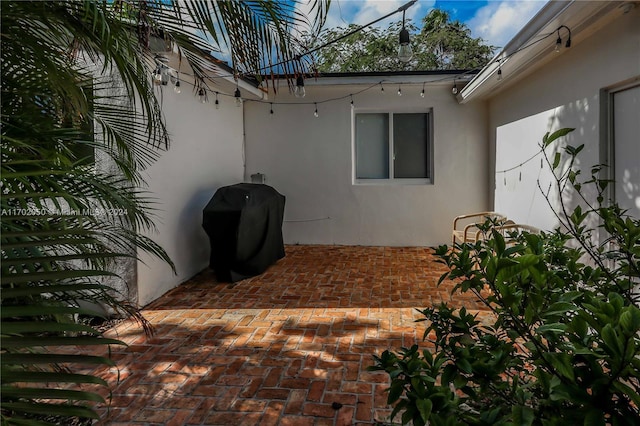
point(217, 103)
point(405, 53)
point(202, 96)
point(454, 90)
point(176, 88)
point(399, 91)
point(157, 76)
point(558, 44)
point(499, 74)
point(299, 91)
point(315, 113)
point(422, 93)
point(238, 98)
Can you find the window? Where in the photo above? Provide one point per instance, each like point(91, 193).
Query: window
point(621, 149)
point(393, 147)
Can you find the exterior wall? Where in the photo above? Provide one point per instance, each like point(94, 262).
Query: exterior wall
point(205, 154)
point(564, 93)
point(309, 160)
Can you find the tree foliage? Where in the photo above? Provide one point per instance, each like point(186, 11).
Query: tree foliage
point(440, 44)
point(563, 343)
point(76, 74)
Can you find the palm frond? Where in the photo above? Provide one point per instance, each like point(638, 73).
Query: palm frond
point(76, 87)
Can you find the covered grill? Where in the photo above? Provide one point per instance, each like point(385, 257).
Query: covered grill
point(244, 225)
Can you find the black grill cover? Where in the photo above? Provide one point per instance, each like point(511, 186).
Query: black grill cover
point(244, 225)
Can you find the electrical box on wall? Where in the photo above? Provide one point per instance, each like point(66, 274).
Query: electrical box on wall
point(258, 178)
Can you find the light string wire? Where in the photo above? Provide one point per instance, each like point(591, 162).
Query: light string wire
point(500, 61)
point(455, 78)
point(521, 164)
point(236, 75)
point(402, 9)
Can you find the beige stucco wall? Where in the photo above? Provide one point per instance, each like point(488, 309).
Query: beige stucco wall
point(205, 154)
point(309, 160)
point(564, 93)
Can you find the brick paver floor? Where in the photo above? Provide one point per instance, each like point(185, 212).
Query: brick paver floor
point(286, 348)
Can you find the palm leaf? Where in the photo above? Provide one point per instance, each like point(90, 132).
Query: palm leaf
point(75, 74)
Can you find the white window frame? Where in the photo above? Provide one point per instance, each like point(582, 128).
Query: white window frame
point(607, 136)
point(391, 180)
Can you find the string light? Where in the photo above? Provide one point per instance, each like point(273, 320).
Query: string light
point(176, 86)
point(161, 73)
point(299, 91)
point(271, 108)
point(422, 93)
point(405, 53)
point(238, 97)
point(298, 57)
point(558, 43)
point(315, 113)
point(559, 39)
point(399, 91)
point(352, 105)
point(202, 96)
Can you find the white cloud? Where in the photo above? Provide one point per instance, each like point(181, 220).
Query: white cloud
point(344, 12)
point(499, 21)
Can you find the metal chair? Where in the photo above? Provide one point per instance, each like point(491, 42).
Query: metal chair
point(465, 227)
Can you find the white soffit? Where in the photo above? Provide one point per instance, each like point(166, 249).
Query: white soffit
point(533, 46)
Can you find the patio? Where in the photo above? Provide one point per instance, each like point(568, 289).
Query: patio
point(278, 349)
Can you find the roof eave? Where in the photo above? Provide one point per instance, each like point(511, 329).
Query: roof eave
point(523, 53)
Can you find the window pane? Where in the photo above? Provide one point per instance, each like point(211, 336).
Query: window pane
point(626, 128)
point(410, 142)
point(372, 146)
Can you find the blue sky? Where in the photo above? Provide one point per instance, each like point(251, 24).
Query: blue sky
point(496, 21)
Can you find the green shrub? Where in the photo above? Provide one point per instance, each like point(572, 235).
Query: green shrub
point(562, 345)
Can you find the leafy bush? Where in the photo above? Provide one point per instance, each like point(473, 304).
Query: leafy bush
point(563, 342)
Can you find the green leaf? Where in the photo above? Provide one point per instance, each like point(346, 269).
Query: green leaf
point(556, 160)
point(49, 358)
point(562, 363)
point(556, 327)
point(464, 365)
point(13, 392)
point(549, 138)
point(612, 340)
point(424, 408)
point(594, 418)
point(67, 410)
point(522, 415)
point(22, 327)
point(559, 308)
point(11, 376)
point(395, 391)
point(28, 341)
